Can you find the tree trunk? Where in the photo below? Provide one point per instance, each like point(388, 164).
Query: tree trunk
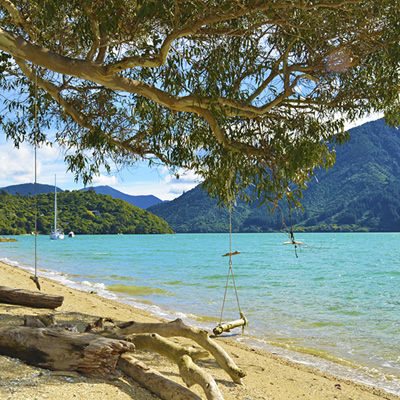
point(58, 349)
point(29, 298)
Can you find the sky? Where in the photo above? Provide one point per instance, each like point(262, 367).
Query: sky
point(17, 167)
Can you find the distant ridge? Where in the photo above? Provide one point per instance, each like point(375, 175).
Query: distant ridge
point(28, 189)
point(360, 193)
point(141, 201)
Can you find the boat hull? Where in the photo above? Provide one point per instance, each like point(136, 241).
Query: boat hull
point(56, 235)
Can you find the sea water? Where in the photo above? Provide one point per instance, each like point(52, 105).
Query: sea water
point(332, 302)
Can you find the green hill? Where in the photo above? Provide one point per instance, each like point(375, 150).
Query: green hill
point(360, 193)
point(194, 212)
point(78, 211)
point(28, 189)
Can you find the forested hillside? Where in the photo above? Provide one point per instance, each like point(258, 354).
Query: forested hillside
point(80, 212)
point(360, 193)
point(28, 189)
point(194, 212)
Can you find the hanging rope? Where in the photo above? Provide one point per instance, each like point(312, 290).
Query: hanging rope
point(290, 232)
point(35, 277)
point(242, 321)
point(230, 270)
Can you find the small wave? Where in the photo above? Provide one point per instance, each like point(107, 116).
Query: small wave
point(94, 285)
point(9, 262)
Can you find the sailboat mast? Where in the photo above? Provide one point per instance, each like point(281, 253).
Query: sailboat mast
point(55, 202)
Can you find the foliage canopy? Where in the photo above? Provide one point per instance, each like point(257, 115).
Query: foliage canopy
point(246, 93)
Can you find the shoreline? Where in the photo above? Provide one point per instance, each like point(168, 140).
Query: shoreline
point(269, 375)
point(308, 356)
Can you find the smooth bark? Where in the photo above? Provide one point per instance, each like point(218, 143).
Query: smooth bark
point(178, 329)
point(62, 350)
point(29, 298)
point(163, 387)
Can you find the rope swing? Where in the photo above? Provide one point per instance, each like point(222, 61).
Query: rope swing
point(242, 321)
point(35, 277)
point(290, 233)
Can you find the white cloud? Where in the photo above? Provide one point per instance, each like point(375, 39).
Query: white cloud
point(371, 117)
point(187, 181)
point(17, 165)
point(157, 181)
point(103, 180)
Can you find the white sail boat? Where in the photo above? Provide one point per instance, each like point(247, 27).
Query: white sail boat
point(55, 232)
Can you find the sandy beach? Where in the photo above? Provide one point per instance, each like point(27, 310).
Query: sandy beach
point(269, 375)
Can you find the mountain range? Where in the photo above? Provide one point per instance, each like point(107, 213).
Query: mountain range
point(28, 189)
point(142, 201)
point(360, 193)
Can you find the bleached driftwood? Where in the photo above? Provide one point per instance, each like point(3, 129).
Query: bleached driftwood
point(165, 347)
point(165, 388)
point(227, 326)
point(177, 328)
point(62, 350)
point(29, 298)
point(183, 357)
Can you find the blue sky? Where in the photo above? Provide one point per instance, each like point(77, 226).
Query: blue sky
point(17, 166)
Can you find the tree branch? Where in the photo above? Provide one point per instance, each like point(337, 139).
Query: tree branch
point(19, 19)
point(96, 33)
point(194, 27)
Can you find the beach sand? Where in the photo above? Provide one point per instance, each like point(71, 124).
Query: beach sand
point(269, 376)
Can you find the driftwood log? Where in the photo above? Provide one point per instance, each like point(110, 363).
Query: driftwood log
point(59, 349)
point(165, 388)
point(29, 298)
point(106, 352)
point(177, 328)
point(190, 372)
point(227, 326)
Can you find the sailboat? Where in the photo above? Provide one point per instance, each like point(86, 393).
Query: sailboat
point(56, 233)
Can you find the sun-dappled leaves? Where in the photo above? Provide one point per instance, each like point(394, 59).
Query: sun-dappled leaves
point(250, 95)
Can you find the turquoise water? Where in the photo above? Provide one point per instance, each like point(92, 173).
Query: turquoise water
point(338, 300)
